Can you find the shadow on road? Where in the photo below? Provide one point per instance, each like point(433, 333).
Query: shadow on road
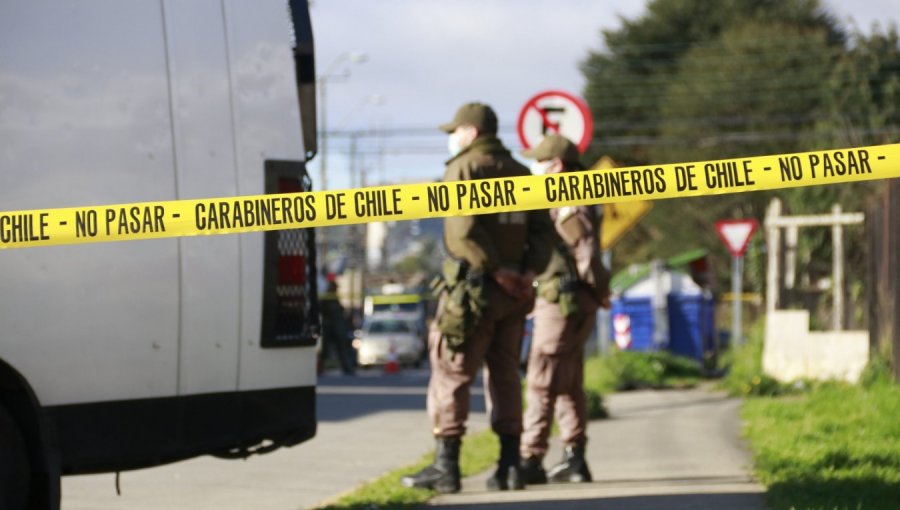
point(341, 398)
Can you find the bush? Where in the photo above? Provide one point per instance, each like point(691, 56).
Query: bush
point(877, 371)
point(597, 376)
point(626, 370)
point(595, 408)
point(744, 365)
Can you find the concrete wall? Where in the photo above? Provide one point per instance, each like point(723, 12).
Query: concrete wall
point(793, 352)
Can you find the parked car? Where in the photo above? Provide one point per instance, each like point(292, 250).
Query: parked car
point(399, 305)
point(383, 336)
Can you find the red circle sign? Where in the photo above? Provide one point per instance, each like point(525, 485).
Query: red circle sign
point(555, 111)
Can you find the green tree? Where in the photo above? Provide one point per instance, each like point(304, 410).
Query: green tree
point(756, 88)
point(424, 262)
point(861, 98)
point(694, 80)
point(628, 79)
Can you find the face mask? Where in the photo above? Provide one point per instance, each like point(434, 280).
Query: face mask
point(453, 144)
point(541, 167)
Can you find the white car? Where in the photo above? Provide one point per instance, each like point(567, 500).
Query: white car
point(387, 338)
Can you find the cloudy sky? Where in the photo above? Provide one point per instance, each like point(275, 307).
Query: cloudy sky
point(426, 57)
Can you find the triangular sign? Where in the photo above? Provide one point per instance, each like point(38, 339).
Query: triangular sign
point(736, 234)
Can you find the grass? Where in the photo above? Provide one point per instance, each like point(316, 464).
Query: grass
point(835, 447)
point(820, 446)
point(479, 452)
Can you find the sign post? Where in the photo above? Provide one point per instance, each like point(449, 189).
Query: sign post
point(736, 236)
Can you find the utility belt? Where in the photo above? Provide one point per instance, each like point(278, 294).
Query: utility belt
point(462, 290)
point(563, 287)
point(563, 290)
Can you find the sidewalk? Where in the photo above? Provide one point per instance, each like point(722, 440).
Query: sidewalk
point(665, 450)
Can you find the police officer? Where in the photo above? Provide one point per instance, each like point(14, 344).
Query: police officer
point(569, 292)
point(492, 262)
point(335, 337)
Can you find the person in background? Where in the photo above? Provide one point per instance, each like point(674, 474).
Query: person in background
point(335, 337)
point(569, 292)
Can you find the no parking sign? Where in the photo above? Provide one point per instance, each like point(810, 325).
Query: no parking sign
point(555, 111)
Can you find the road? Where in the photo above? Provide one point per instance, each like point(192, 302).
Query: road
point(661, 450)
point(368, 425)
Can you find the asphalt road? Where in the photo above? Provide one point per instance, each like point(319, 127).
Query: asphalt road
point(661, 450)
point(368, 425)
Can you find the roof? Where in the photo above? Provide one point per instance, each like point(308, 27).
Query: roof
point(637, 272)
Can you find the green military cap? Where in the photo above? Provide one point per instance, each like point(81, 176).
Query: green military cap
point(479, 115)
point(556, 146)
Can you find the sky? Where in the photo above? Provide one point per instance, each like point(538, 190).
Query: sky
point(424, 58)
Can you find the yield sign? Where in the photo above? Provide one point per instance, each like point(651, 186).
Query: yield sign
point(736, 234)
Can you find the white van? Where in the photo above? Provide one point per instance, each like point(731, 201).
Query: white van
point(124, 355)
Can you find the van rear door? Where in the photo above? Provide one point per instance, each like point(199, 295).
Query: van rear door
point(204, 134)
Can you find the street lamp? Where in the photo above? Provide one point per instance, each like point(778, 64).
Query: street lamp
point(371, 99)
point(331, 74)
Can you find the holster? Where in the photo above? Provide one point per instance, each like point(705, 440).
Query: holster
point(462, 302)
point(562, 287)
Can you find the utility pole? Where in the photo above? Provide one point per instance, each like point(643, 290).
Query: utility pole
point(321, 82)
point(323, 146)
point(363, 240)
point(354, 238)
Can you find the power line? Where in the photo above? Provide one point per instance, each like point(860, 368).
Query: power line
point(676, 45)
point(740, 137)
point(657, 80)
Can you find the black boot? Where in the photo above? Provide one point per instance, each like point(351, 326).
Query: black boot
point(532, 471)
point(507, 476)
point(443, 474)
point(573, 467)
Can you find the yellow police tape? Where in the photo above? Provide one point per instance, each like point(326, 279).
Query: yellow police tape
point(152, 220)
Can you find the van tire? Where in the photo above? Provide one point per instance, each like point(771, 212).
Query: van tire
point(15, 469)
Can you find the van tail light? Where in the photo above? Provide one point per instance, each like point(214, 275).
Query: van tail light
point(291, 270)
point(290, 304)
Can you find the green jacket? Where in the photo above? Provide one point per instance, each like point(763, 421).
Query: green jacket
point(579, 251)
point(516, 240)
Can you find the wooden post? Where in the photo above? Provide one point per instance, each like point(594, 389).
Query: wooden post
point(837, 289)
point(892, 271)
point(791, 235)
point(773, 246)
